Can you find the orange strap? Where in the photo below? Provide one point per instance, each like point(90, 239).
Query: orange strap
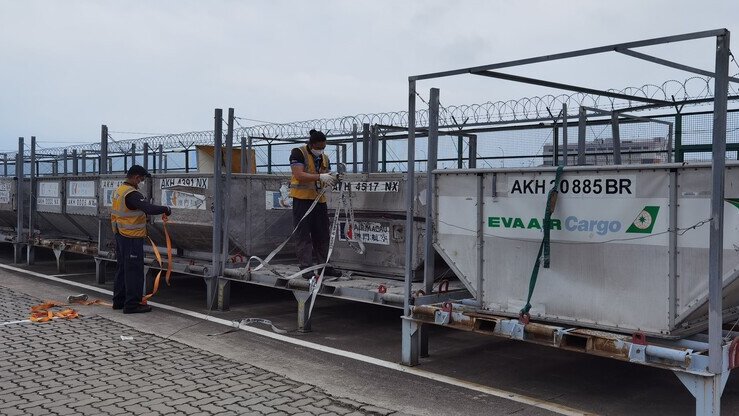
point(41, 313)
point(159, 260)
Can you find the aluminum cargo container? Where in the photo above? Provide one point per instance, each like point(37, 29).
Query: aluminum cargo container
point(254, 227)
point(629, 244)
point(8, 215)
point(379, 204)
point(67, 207)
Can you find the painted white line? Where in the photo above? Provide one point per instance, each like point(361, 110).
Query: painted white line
point(73, 274)
point(519, 398)
point(14, 322)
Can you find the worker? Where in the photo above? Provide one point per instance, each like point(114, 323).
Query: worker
point(311, 173)
point(128, 219)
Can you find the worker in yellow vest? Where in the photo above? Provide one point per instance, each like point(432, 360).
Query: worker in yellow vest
point(128, 219)
point(311, 173)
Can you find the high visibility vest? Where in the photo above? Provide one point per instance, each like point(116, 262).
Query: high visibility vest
point(309, 190)
point(127, 222)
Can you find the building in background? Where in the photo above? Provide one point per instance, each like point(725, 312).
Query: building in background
point(600, 152)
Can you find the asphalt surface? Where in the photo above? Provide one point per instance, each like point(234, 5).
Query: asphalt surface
point(587, 383)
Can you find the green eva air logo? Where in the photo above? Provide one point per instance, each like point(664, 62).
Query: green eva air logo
point(644, 222)
point(733, 201)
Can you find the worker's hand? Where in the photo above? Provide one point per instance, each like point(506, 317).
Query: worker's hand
point(169, 211)
point(328, 179)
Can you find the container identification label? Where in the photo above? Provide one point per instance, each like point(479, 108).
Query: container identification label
point(184, 200)
point(367, 232)
point(82, 202)
point(376, 186)
point(279, 199)
point(48, 189)
point(81, 189)
point(5, 193)
point(201, 183)
point(621, 186)
point(108, 187)
point(48, 201)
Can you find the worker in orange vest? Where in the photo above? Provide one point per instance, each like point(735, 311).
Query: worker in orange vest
point(311, 173)
point(128, 219)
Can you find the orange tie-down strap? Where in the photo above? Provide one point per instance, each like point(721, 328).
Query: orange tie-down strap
point(158, 255)
point(43, 313)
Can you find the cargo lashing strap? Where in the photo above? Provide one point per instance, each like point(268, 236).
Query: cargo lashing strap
point(345, 204)
point(158, 256)
point(543, 256)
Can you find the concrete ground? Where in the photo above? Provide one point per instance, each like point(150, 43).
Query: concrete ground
point(590, 384)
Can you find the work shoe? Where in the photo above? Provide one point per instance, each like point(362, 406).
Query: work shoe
point(138, 309)
point(117, 307)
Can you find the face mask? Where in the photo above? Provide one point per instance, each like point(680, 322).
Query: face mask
point(316, 152)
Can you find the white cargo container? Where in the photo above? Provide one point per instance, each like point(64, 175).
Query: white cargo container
point(629, 244)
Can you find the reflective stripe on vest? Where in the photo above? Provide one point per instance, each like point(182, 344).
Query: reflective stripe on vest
point(127, 222)
point(308, 190)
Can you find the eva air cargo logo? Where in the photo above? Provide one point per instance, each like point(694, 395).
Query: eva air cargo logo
point(644, 222)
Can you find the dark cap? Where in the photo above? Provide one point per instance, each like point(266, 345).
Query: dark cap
point(138, 170)
point(316, 136)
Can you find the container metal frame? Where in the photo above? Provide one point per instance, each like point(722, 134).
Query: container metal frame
point(706, 383)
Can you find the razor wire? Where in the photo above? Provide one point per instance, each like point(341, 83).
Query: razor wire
point(525, 109)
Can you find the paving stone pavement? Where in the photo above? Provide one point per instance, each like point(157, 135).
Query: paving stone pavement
point(83, 367)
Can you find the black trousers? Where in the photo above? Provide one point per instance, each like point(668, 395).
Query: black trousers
point(312, 236)
point(128, 288)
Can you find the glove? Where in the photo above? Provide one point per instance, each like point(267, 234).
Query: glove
point(328, 179)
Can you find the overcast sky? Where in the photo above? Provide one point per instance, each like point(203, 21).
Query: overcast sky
point(162, 66)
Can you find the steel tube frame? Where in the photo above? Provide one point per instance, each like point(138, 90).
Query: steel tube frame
point(354, 148)
point(103, 149)
point(428, 238)
point(573, 54)
point(410, 331)
point(670, 64)
point(581, 131)
point(716, 237)
point(366, 156)
point(19, 171)
point(223, 303)
point(242, 160)
point(30, 255)
point(616, 133)
point(212, 281)
point(568, 87)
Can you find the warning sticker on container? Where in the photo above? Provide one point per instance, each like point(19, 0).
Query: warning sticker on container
point(82, 202)
point(108, 187)
point(4, 193)
point(279, 199)
point(81, 189)
point(367, 232)
point(185, 200)
point(201, 183)
point(376, 186)
point(48, 189)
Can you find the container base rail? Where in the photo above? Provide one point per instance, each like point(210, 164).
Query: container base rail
point(383, 291)
point(687, 357)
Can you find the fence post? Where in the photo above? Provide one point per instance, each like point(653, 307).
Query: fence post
point(581, 130)
point(679, 155)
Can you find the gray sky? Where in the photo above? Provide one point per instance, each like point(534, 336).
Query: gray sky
point(162, 66)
